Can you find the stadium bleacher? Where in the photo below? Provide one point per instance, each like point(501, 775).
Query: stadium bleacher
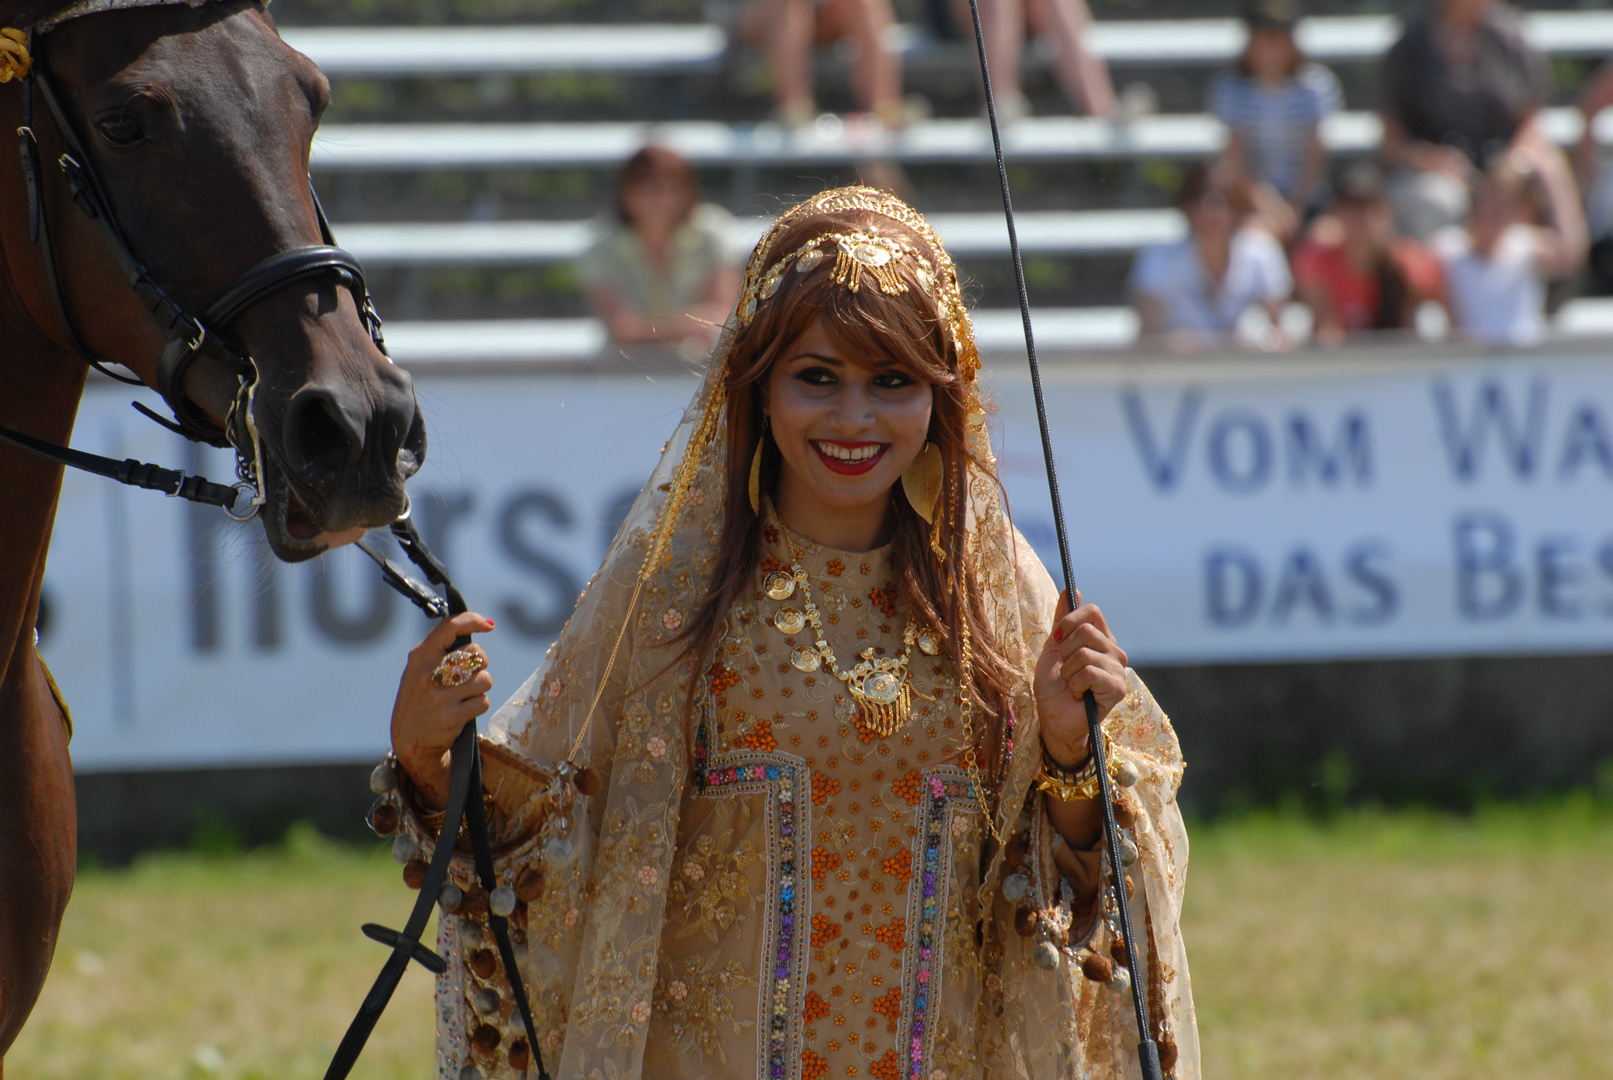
point(494, 284)
point(478, 50)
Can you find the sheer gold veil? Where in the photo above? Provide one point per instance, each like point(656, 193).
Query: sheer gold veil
point(610, 696)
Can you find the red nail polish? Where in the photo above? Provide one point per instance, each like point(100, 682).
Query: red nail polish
point(491, 624)
point(1058, 633)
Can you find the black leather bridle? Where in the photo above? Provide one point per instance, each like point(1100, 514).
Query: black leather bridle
point(189, 336)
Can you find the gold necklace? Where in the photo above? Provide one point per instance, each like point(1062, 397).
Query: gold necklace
point(878, 686)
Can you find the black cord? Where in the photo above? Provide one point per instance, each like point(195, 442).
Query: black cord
point(1147, 1049)
point(464, 804)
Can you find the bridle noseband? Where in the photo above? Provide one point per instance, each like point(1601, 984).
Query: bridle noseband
point(189, 336)
point(192, 336)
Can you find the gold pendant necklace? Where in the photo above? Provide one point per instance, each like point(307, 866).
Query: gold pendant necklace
point(878, 686)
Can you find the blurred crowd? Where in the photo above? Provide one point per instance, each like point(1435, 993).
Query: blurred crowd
point(1469, 222)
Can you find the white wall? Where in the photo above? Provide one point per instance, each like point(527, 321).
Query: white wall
point(1220, 510)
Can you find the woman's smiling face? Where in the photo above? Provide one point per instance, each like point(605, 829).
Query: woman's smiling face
point(845, 431)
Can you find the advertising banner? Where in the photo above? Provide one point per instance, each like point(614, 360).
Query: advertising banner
point(1255, 509)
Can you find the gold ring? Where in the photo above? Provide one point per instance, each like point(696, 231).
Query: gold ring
point(458, 667)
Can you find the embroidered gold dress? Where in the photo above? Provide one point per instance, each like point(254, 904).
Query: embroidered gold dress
point(822, 903)
point(765, 890)
point(826, 875)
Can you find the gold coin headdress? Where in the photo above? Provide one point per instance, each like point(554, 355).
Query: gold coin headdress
point(861, 252)
point(854, 256)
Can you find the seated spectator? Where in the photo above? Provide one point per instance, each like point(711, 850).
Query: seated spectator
point(1354, 272)
point(1596, 181)
point(1193, 292)
point(1081, 72)
point(788, 30)
point(1273, 105)
point(663, 270)
point(1461, 87)
point(1497, 266)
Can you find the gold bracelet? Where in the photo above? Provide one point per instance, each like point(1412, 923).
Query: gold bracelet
point(1071, 785)
point(432, 820)
point(1065, 790)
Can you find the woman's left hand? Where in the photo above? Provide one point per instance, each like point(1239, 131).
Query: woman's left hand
point(1081, 654)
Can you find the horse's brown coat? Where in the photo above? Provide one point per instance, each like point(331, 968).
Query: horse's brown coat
point(219, 183)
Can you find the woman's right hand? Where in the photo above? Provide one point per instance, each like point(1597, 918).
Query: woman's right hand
point(428, 716)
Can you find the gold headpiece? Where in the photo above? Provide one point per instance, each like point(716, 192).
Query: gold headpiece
point(15, 63)
point(870, 252)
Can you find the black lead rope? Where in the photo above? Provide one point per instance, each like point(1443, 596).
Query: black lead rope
point(466, 773)
point(176, 483)
point(188, 337)
point(465, 778)
point(1147, 1048)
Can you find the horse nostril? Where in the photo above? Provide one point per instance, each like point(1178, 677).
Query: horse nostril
point(397, 428)
point(412, 454)
point(320, 440)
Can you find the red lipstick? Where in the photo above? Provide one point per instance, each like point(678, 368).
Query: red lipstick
point(849, 468)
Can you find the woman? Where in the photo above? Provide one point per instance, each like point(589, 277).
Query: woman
point(1461, 88)
point(1192, 293)
point(1078, 67)
point(662, 271)
point(797, 842)
point(1273, 106)
point(788, 30)
point(1354, 273)
point(1497, 265)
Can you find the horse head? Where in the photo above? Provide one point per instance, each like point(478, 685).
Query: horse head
point(196, 120)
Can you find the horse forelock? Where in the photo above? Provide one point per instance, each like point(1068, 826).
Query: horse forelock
point(43, 16)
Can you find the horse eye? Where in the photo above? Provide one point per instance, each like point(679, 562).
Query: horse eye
point(121, 131)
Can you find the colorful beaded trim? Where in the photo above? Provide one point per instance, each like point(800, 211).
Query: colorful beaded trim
point(786, 782)
point(947, 792)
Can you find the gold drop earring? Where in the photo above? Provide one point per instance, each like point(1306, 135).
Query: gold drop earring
point(756, 470)
point(923, 482)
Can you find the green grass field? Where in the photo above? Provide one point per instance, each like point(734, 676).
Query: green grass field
point(1376, 945)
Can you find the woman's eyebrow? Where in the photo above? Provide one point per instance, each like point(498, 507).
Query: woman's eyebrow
point(830, 360)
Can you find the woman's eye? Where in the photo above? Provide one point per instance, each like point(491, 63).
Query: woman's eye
point(121, 131)
point(893, 382)
point(817, 376)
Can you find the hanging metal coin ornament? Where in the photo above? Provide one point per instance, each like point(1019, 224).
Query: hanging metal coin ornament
point(808, 260)
point(770, 283)
point(871, 255)
point(384, 777)
point(806, 659)
point(1046, 955)
point(558, 851)
point(929, 643)
point(882, 688)
point(779, 586)
point(925, 280)
point(789, 620)
point(404, 848)
point(1120, 982)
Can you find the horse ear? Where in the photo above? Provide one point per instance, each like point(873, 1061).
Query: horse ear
point(27, 14)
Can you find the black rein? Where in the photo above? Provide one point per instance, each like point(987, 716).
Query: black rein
point(188, 335)
point(191, 336)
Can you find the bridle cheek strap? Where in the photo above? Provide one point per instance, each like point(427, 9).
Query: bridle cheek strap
point(274, 273)
point(188, 335)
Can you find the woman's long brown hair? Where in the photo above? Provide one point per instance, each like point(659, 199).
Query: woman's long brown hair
point(870, 326)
